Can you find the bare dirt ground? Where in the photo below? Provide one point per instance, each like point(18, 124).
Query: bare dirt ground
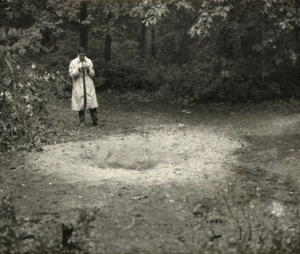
point(153, 171)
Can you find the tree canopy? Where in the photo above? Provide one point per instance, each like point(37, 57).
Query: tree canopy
point(215, 42)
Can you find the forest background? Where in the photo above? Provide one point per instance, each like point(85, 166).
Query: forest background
point(193, 51)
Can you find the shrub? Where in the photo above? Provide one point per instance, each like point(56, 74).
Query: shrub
point(9, 237)
point(23, 101)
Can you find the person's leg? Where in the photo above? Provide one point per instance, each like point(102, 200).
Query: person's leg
point(93, 112)
point(81, 116)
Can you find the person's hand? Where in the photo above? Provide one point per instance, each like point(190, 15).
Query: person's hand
point(85, 67)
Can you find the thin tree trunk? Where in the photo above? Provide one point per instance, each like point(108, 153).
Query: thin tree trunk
point(183, 39)
point(263, 50)
point(225, 44)
point(236, 42)
point(107, 53)
point(108, 40)
point(297, 42)
point(83, 30)
point(242, 42)
point(46, 35)
point(143, 39)
point(138, 33)
point(243, 46)
point(181, 46)
point(153, 42)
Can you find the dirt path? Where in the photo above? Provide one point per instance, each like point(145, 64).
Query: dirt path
point(152, 170)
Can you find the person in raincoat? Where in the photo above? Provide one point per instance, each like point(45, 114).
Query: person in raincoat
point(77, 67)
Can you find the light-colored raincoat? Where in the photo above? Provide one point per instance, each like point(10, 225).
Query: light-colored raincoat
point(77, 81)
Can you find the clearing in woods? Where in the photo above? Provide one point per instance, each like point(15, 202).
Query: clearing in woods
point(154, 170)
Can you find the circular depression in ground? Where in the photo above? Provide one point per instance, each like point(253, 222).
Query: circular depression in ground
point(162, 155)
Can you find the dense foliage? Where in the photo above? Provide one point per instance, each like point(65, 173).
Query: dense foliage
point(228, 46)
point(214, 50)
point(198, 51)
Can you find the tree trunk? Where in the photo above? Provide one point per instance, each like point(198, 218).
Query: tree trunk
point(184, 37)
point(153, 42)
point(297, 42)
point(108, 40)
point(138, 33)
point(263, 49)
point(181, 46)
point(236, 38)
point(242, 42)
point(143, 39)
point(107, 52)
point(46, 34)
point(243, 46)
point(225, 44)
point(46, 37)
point(83, 30)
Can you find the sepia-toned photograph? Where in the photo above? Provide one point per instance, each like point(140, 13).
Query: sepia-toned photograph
point(149, 126)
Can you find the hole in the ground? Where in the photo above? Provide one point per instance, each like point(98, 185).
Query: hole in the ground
point(132, 158)
point(137, 165)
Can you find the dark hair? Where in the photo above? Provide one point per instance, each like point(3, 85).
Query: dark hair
point(81, 50)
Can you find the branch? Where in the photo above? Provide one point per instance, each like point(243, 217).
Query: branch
point(234, 218)
point(12, 57)
point(9, 65)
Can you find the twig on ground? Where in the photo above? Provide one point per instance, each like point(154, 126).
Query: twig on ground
point(130, 225)
point(242, 244)
point(210, 228)
point(214, 237)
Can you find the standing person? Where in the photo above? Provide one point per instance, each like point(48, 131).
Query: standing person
point(81, 71)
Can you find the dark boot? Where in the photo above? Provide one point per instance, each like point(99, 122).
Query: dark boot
point(93, 112)
point(81, 117)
